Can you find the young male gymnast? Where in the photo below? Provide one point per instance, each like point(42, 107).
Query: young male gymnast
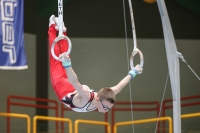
point(70, 92)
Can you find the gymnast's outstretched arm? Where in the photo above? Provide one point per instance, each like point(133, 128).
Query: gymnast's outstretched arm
point(132, 73)
point(72, 77)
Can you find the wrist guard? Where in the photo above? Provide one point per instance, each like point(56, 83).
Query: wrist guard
point(133, 73)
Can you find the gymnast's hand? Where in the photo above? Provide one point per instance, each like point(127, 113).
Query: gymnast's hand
point(66, 61)
point(138, 69)
point(135, 71)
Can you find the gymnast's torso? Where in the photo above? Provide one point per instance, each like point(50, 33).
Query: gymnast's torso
point(68, 100)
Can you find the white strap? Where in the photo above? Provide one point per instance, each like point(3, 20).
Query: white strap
point(135, 50)
point(60, 36)
point(60, 16)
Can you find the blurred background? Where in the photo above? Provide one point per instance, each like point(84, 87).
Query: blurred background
point(101, 35)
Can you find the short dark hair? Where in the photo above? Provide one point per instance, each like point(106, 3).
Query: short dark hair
point(106, 94)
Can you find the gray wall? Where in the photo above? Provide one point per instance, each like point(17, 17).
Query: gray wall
point(103, 62)
point(100, 62)
point(100, 57)
point(19, 83)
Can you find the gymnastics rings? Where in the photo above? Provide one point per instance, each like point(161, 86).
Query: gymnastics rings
point(136, 51)
point(61, 37)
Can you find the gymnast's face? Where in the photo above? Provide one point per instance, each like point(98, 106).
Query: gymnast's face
point(104, 106)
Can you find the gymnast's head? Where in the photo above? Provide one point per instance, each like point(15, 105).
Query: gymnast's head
point(106, 99)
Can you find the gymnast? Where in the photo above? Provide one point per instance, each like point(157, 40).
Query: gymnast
point(79, 98)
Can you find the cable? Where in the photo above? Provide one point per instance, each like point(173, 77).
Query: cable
point(182, 58)
point(127, 55)
point(162, 100)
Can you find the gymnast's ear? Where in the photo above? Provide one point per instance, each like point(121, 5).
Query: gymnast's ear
point(97, 98)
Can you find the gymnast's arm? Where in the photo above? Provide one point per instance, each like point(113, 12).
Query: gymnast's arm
point(117, 88)
point(132, 73)
point(72, 77)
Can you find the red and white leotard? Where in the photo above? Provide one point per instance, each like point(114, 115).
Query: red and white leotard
point(60, 83)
